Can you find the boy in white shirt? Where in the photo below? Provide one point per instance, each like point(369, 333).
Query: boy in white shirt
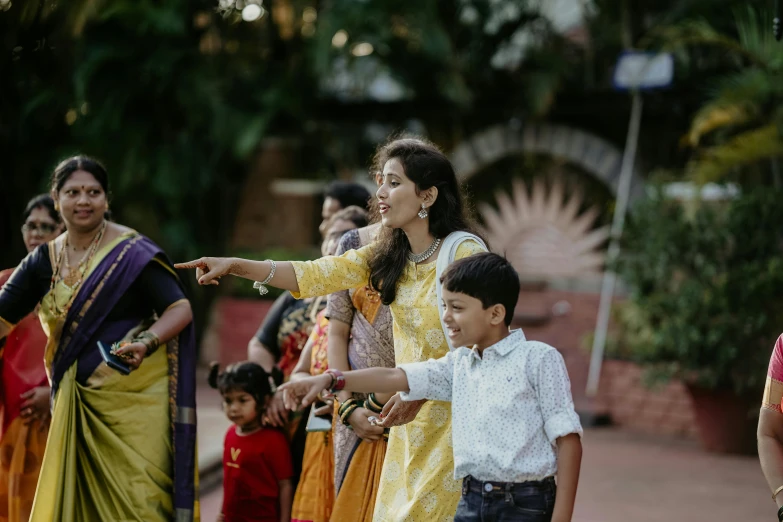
point(514, 427)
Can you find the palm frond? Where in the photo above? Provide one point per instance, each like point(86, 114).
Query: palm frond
point(740, 150)
point(749, 84)
point(736, 100)
point(699, 33)
point(755, 36)
point(714, 116)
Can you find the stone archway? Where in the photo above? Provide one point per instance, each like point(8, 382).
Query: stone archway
point(591, 153)
point(539, 228)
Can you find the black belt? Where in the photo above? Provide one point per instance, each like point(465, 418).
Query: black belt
point(474, 485)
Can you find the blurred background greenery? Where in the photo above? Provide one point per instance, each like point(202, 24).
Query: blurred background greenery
point(177, 96)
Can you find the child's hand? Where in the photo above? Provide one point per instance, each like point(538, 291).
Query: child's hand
point(304, 392)
point(397, 412)
point(276, 414)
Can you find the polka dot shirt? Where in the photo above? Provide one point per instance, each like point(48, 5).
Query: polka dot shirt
point(508, 408)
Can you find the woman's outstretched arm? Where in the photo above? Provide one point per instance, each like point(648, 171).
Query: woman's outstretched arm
point(302, 278)
point(209, 270)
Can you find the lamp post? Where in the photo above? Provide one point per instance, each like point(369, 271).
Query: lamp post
point(635, 71)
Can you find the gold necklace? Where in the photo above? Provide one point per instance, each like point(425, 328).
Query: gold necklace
point(75, 275)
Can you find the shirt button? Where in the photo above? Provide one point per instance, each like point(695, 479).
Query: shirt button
point(487, 487)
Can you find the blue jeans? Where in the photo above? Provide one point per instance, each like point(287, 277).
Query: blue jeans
point(506, 502)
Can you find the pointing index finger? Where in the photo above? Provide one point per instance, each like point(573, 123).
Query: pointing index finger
point(197, 263)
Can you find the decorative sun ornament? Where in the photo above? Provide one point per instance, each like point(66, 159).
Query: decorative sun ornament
point(543, 235)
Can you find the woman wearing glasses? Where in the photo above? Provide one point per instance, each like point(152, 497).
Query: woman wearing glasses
point(23, 383)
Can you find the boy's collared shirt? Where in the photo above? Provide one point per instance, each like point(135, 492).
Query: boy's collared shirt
point(508, 408)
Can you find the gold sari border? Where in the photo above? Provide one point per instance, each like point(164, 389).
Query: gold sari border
point(83, 311)
point(166, 266)
point(176, 303)
point(773, 394)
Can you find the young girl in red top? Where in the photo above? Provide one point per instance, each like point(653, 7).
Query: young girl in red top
point(256, 460)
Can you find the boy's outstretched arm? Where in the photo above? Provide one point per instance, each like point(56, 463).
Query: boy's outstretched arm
point(380, 380)
point(569, 462)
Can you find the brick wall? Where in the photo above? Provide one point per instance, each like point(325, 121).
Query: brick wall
point(232, 323)
point(661, 411)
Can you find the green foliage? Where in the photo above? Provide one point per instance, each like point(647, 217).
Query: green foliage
point(739, 126)
point(705, 283)
point(460, 53)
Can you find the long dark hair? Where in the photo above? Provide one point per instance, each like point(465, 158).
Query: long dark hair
point(427, 167)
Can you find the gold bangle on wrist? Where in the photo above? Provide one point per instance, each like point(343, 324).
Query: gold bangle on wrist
point(148, 339)
point(775, 494)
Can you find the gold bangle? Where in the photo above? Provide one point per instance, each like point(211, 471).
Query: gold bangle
point(148, 339)
point(375, 402)
point(775, 494)
point(345, 405)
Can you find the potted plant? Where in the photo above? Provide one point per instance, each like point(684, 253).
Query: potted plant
point(704, 304)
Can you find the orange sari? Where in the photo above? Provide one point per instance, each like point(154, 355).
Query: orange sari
point(22, 445)
point(315, 493)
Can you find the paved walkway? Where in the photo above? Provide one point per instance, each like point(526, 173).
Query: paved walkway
point(628, 477)
point(625, 477)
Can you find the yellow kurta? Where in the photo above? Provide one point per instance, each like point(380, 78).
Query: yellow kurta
point(417, 481)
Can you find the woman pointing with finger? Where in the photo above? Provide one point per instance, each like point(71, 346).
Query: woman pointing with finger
point(420, 205)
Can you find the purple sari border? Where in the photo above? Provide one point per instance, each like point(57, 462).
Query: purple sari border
point(86, 321)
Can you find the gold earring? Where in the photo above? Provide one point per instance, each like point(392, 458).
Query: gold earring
point(56, 207)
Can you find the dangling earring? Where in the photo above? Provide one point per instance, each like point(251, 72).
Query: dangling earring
point(423, 212)
point(56, 207)
point(107, 207)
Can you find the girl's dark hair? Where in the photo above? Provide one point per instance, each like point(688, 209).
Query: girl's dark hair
point(67, 167)
point(427, 167)
point(348, 194)
point(43, 201)
point(246, 376)
point(356, 215)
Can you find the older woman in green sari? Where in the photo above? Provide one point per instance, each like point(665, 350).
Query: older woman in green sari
point(120, 447)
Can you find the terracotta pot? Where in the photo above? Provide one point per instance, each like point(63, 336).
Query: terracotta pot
point(726, 422)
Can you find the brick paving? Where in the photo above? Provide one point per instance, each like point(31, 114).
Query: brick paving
point(628, 477)
point(634, 478)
